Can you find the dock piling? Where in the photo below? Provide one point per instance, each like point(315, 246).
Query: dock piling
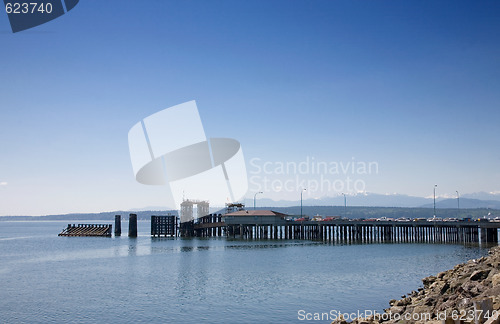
point(118, 225)
point(132, 225)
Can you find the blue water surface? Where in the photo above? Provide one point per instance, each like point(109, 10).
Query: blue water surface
point(46, 278)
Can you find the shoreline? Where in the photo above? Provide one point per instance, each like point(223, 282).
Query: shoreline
point(468, 293)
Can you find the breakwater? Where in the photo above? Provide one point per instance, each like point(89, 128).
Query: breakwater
point(468, 293)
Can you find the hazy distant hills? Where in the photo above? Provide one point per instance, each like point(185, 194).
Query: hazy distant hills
point(475, 200)
point(366, 205)
point(483, 196)
point(465, 203)
point(349, 211)
point(374, 200)
point(390, 212)
point(102, 217)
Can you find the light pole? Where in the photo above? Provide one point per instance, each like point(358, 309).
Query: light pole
point(345, 206)
point(435, 200)
point(254, 198)
point(301, 201)
point(458, 203)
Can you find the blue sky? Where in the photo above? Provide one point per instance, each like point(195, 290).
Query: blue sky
point(411, 85)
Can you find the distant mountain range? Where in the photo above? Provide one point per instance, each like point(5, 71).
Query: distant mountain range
point(358, 205)
point(349, 211)
point(465, 203)
point(475, 200)
point(483, 195)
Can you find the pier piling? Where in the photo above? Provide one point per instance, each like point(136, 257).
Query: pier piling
point(118, 225)
point(132, 225)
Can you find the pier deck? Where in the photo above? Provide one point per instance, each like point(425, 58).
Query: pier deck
point(267, 227)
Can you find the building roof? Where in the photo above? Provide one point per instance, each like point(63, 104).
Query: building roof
point(258, 212)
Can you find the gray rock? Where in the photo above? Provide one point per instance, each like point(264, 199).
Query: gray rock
point(428, 281)
point(479, 275)
point(495, 280)
point(397, 309)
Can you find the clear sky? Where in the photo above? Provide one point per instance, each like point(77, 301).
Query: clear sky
point(413, 86)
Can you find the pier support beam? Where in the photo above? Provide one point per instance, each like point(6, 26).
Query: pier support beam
point(489, 235)
point(118, 225)
point(132, 225)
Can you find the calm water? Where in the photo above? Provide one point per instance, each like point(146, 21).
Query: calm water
point(46, 278)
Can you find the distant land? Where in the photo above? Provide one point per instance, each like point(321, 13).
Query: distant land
point(366, 199)
point(105, 216)
point(390, 212)
point(474, 200)
point(349, 211)
point(465, 203)
point(361, 205)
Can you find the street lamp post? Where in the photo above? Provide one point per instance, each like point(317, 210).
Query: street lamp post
point(435, 200)
point(458, 203)
point(254, 198)
point(301, 201)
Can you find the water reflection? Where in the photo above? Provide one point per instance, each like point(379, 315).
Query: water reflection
point(132, 246)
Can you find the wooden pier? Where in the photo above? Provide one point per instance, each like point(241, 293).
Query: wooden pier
point(273, 225)
point(87, 230)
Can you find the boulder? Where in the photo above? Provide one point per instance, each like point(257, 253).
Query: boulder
point(396, 310)
point(445, 288)
point(428, 281)
point(479, 275)
point(495, 280)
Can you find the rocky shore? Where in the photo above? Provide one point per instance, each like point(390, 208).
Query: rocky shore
point(468, 293)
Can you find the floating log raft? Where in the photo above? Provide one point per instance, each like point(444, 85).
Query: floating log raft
point(87, 230)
